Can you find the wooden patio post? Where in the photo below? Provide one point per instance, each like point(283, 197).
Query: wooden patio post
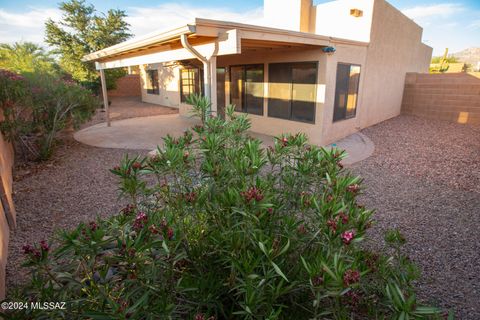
point(105, 97)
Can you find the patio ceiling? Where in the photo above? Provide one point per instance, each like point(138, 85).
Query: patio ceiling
point(208, 37)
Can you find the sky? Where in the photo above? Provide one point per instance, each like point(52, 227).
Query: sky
point(451, 23)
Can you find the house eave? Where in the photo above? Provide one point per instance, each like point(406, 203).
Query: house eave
point(136, 43)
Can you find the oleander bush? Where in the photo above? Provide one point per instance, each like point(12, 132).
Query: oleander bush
point(37, 106)
point(220, 228)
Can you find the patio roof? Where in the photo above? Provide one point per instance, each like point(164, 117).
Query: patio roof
point(210, 38)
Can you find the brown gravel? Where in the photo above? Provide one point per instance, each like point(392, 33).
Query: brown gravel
point(73, 187)
point(424, 178)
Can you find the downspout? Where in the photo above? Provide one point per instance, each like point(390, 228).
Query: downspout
point(207, 78)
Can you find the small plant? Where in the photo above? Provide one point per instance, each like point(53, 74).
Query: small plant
point(220, 228)
point(200, 106)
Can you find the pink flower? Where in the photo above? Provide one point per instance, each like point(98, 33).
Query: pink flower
point(343, 217)
point(44, 245)
point(350, 277)
point(348, 236)
point(353, 188)
point(27, 249)
point(253, 193)
point(137, 165)
point(93, 226)
point(190, 197)
point(317, 281)
point(140, 221)
point(332, 224)
point(170, 233)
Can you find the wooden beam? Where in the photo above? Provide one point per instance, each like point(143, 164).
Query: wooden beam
point(105, 97)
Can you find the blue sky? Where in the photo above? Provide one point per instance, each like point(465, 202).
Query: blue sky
point(450, 23)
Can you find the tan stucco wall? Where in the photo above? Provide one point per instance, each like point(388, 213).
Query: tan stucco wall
point(394, 50)
point(169, 85)
point(333, 19)
point(332, 131)
point(6, 203)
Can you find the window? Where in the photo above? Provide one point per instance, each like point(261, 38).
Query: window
point(191, 81)
point(292, 91)
point(221, 91)
point(246, 88)
point(346, 91)
point(152, 82)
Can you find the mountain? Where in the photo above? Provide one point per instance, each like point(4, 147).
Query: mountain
point(470, 55)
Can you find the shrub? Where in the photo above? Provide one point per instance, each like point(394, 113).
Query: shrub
point(220, 228)
point(36, 108)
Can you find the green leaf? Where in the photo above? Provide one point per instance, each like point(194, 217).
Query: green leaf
point(285, 248)
point(278, 271)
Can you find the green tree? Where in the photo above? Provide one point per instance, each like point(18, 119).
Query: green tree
point(82, 31)
point(26, 57)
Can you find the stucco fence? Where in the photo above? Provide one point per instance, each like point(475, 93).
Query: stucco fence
point(7, 210)
point(452, 97)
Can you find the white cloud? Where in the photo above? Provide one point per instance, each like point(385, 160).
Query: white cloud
point(30, 24)
point(475, 24)
point(437, 10)
point(166, 16)
point(25, 26)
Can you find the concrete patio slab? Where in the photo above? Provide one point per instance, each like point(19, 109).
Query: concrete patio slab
point(147, 133)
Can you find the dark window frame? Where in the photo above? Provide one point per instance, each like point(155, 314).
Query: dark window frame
point(153, 82)
point(347, 117)
point(244, 107)
point(291, 65)
point(195, 87)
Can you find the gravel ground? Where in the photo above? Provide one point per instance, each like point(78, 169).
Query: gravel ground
point(74, 186)
point(424, 178)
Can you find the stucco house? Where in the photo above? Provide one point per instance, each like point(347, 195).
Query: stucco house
point(327, 70)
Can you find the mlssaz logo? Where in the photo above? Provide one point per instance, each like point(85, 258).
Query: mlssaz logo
point(48, 305)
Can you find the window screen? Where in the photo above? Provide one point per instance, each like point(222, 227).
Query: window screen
point(346, 91)
point(292, 91)
point(246, 88)
point(152, 82)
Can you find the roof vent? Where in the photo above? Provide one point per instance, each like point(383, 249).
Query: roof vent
point(357, 13)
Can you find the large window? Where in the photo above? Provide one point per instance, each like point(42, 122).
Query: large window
point(246, 88)
point(292, 88)
point(346, 91)
point(152, 82)
point(191, 81)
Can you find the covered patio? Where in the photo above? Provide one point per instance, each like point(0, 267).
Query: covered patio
point(228, 63)
point(148, 132)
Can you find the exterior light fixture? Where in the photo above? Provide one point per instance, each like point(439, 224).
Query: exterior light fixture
point(329, 50)
point(357, 13)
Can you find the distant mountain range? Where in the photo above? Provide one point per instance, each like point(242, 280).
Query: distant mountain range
point(470, 55)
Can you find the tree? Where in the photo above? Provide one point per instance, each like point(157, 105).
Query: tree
point(26, 57)
point(81, 31)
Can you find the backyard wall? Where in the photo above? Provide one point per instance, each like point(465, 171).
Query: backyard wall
point(451, 97)
point(7, 211)
point(127, 86)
